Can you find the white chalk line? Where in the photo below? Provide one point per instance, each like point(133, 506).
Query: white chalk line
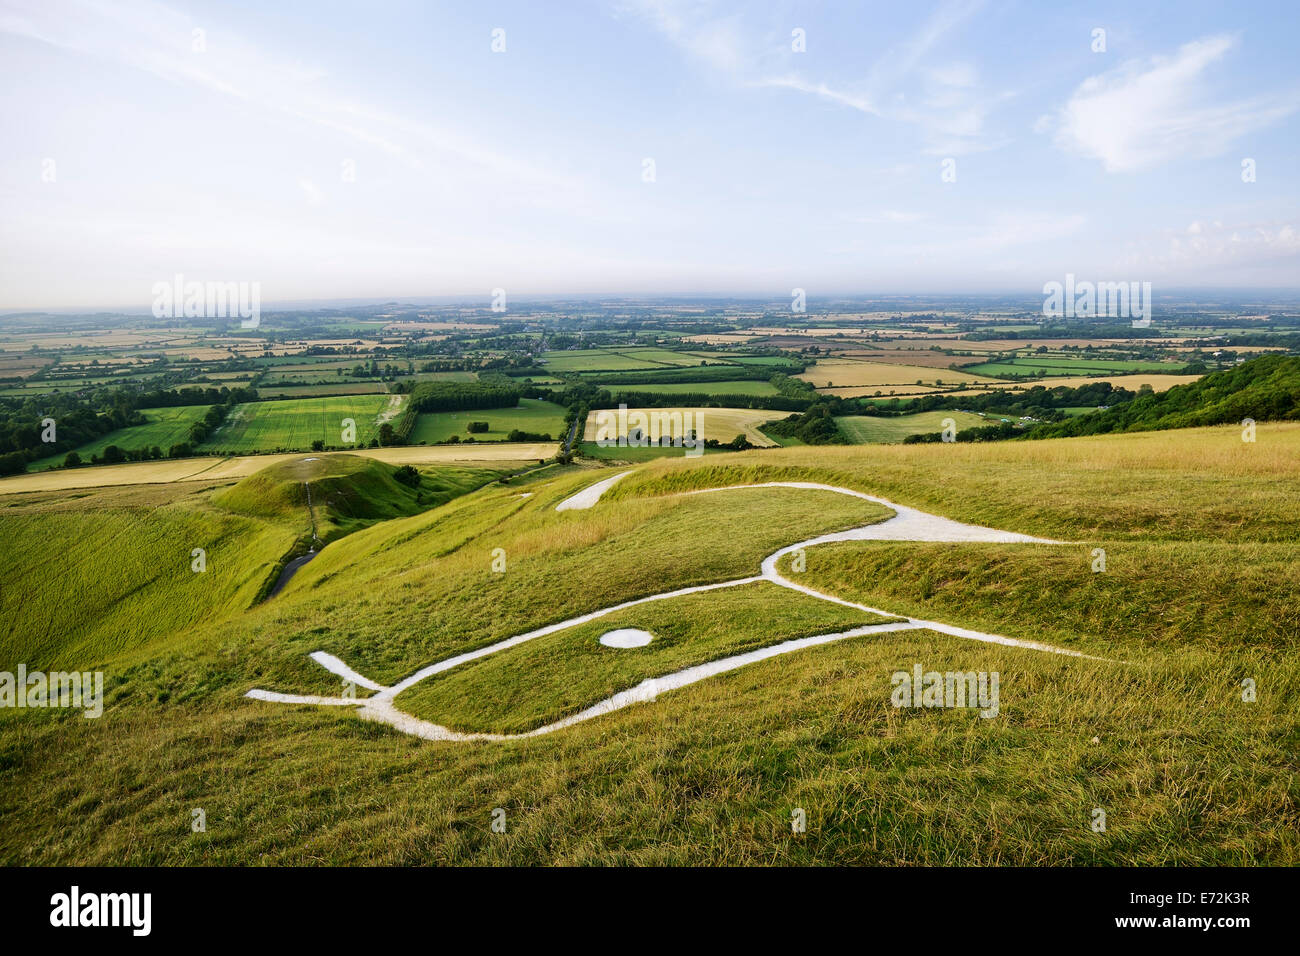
point(907, 524)
point(336, 666)
point(645, 692)
point(587, 497)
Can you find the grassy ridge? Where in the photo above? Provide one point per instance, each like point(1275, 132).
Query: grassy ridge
point(1190, 484)
point(1266, 388)
point(1153, 595)
point(112, 578)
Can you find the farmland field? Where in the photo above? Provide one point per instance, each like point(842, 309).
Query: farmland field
point(344, 387)
point(722, 424)
point(1066, 367)
point(852, 372)
point(1160, 383)
point(705, 388)
point(293, 424)
point(589, 449)
point(212, 468)
point(619, 360)
point(533, 415)
point(868, 429)
point(164, 427)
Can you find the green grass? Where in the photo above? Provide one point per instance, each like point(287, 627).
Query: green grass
point(868, 429)
point(433, 593)
point(293, 424)
point(1192, 603)
point(1199, 593)
point(163, 427)
point(345, 492)
point(533, 415)
point(115, 574)
point(553, 676)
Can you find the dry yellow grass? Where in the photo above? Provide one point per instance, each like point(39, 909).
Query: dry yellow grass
point(852, 372)
point(724, 424)
point(218, 469)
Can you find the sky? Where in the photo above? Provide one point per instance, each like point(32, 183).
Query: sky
point(390, 150)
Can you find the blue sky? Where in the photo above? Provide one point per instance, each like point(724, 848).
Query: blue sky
point(384, 150)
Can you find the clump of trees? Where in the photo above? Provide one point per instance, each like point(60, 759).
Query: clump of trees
point(1264, 388)
point(461, 396)
point(816, 426)
point(408, 476)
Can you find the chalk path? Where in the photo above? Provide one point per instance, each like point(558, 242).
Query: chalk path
point(907, 524)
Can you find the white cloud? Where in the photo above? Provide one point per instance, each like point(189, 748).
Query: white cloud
point(1206, 247)
point(794, 82)
point(311, 192)
point(156, 38)
point(1143, 114)
point(944, 101)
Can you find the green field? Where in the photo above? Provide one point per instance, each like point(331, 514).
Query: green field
point(293, 424)
point(870, 429)
point(163, 427)
point(532, 415)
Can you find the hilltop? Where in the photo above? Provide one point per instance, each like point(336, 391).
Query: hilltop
point(1263, 389)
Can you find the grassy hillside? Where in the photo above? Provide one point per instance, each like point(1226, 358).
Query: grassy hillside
point(111, 572)
point(562, 673)
point(1199, 594)
point(1265, 389)
point(345, 491)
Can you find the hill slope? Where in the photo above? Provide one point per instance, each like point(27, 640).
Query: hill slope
point(1199, 593)
point(1265, 389)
